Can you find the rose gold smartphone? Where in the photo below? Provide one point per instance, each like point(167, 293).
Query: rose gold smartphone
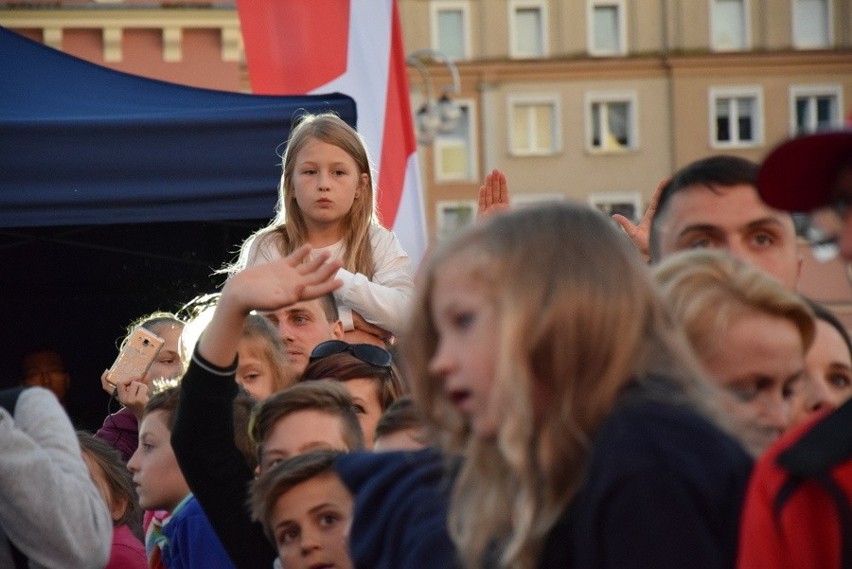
point(136, 356)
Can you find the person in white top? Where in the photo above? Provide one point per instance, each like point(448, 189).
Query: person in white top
point(326, 199)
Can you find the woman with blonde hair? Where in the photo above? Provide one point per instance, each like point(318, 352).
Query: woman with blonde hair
point(750, 334)
point(541, 353)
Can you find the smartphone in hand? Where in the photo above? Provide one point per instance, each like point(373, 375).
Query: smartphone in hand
point(135, 357)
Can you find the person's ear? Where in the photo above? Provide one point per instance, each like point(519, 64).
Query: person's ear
point(118, 507)
point(337, 330)
point(362, 185)
point(799, 261)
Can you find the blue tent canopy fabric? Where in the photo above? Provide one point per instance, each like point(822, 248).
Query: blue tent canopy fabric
point(82, 144)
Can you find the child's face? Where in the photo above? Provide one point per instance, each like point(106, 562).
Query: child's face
point(326, 182)
point(254, 372)
point(467, 326)
point(368, 408)
point(311, 524)
point(300, 432)
point(168, 363)
point(156, 474)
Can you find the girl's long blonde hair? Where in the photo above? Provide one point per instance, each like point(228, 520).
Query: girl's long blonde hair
point(288, 231)
point(578, 320)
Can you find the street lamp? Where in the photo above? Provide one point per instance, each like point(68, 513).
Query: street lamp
point(435, 114)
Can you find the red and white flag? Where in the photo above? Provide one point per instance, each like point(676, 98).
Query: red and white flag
point(296, 47)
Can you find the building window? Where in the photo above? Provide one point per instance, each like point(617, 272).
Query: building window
point(533, 126)
point(450, 34)
point(815, 107)
point(519, 200)
point(455, 151)
point(453, 215)
point(729, 24)
point(527, 26)
point(606, 27)
point(736, 117)
point(628, 204)
point(811, 23)
point(611, 122)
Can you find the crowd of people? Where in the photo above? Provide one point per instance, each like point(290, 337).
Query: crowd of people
point(555, 390)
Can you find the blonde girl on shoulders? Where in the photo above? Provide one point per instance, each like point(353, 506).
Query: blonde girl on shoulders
point(326, 198)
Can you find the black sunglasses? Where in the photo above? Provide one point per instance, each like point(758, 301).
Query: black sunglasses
point(367, 353)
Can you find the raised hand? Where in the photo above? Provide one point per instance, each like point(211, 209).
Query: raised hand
point(493, 195)
point(280, 283)
point(265, 287)
point(640, 234)
point(133, 395)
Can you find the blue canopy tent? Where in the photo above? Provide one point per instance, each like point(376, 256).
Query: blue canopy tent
point(83, 144)
point(118, 196)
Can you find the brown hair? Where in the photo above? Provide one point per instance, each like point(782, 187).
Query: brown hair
point(324, 396)
point(401, 415)
point(345, 366)
point(281, 478)
point(119, 480)
point(167, 402)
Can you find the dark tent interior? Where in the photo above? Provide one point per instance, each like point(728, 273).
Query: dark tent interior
point(121, 195)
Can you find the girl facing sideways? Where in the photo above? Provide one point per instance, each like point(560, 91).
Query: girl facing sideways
point(326, 198)
point(541, 353)
point(115, 483)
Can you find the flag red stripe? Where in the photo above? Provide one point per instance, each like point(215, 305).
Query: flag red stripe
point(281, 36)
point(398, 136)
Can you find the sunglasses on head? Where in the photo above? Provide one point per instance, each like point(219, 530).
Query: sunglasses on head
point(367, 353)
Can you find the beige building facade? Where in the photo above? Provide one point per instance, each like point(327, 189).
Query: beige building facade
point(590, 100)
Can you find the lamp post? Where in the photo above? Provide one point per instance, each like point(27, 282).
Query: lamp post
point(436, 114)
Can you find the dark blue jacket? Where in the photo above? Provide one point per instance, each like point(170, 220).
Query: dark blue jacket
point(663, 489)
point(400, 510)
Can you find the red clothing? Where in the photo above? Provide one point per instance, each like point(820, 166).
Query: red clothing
point(121, 431)
point(127, 551)
point(798, 510)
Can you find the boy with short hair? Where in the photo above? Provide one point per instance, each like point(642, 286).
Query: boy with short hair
point(306, 511)
point(184, 538)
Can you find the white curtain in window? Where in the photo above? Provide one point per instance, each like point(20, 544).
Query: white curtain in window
point(606, 29)
point(745, 119)
point(451, 33)
point(810, 23)
point(544, 127)
point(520, 128)
point(728, 24)
point(528, 32)
point(723, 120)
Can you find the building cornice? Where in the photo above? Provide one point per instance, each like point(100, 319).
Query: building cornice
point(645, 66)
point(112, 23)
